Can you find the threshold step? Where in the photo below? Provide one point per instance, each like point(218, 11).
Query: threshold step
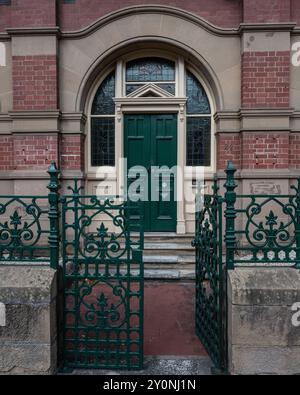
point(171, 274)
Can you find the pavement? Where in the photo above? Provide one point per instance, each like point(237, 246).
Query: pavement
point(159, 366)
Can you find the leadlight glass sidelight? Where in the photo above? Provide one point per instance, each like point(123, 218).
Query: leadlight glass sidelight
point(103, 142)
point(198, 141)
point(103, 124)
point(156, 70)
point(198, 124)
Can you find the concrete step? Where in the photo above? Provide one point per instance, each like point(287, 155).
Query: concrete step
point(169, 274)
point(169, 259)
point(168, 256)
point(162, 237)
point(168, 248)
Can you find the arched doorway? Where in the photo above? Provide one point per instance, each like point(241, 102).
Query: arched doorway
point(152, 108)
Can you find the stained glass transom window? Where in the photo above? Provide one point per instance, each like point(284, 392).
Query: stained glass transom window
point(150, 70)
point(198, 124)
point(156, 70)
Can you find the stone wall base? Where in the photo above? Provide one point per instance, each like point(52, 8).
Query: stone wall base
point(262, 336)
point(28, 334)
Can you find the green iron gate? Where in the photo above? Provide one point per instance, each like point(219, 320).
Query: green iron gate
point(212, 265)
point(211, 279)
point(102, 282)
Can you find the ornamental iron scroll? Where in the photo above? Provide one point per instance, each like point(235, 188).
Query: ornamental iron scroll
point(103, 304)
point(24, 228)
point(103, 282)
point(270, 227)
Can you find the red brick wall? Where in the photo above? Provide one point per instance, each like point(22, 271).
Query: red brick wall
point(21, 152)
point(223, 13)
point(265, 150)
point(34, 151)
point(84, 12)
point(72, 152)
point(6, 153)
point(265, 79)
point(295, 11)
point(267, 11)
point(5, 17)
point(33, 13)
point(294, 153)
point(258, 150)
point(228, 148)
point(35, 82)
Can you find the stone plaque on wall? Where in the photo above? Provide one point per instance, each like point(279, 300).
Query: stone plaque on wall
point(264, 188)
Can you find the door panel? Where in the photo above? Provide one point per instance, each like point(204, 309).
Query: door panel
point(164, 153)
point(151, 142)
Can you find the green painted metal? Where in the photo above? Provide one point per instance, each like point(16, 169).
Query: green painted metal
point(230, 214)
point(24, 228)
point(103, 283)
point(150, 140)
point(29, 228)
point(53, 215)
point(261, 229)
point(211, 279)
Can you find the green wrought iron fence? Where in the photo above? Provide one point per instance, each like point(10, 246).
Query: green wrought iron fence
point(261, 229)
point(103, 282)
point(29, 226)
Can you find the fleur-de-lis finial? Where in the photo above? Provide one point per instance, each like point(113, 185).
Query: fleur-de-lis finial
point(102, 300)
point(271, 219)
point(102, 231)
point(15, 219)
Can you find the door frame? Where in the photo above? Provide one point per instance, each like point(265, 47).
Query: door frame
point(154, 105)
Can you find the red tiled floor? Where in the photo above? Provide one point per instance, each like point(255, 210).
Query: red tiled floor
point(170, 319)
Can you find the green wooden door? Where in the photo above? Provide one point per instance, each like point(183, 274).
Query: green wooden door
point(150, 141)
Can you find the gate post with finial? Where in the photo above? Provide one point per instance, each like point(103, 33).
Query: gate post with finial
point(53, 214)
point(297, 226)
point(230, 214)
